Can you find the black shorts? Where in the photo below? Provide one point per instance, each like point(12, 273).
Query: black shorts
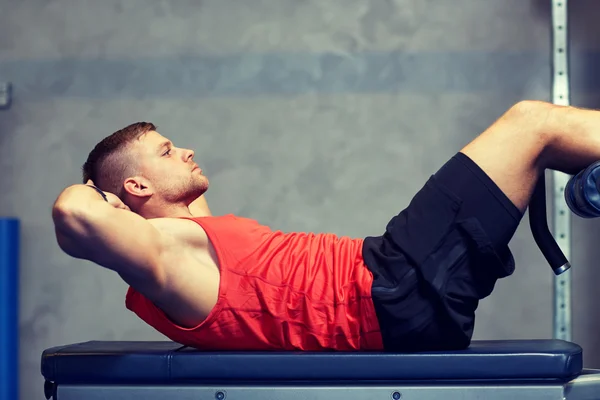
point(439, 257)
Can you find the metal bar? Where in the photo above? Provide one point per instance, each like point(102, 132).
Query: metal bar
point(561, 217)
point(232, 391)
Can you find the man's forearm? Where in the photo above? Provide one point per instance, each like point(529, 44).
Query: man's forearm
point(77, 196)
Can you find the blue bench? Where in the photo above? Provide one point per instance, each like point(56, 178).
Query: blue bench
point(528, 369)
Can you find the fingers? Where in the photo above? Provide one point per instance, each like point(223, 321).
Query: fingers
point(112, 199)
point(121, 205)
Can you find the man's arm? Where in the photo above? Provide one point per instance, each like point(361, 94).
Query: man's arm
point(199, 207)
point(90, 228)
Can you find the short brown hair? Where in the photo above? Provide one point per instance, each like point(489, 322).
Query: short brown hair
point(108, 164)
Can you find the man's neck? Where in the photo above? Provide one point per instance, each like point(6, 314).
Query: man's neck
point(167, 211)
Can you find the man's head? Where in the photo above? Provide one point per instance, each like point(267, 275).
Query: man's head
point(143, 168)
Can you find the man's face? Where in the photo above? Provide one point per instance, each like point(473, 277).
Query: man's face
point(172, 173)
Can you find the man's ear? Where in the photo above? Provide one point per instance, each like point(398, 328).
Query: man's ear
point(138, 186)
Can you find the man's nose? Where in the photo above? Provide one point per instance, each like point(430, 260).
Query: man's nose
point(189, 154)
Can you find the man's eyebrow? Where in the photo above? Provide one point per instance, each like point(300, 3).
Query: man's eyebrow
point(163, 145)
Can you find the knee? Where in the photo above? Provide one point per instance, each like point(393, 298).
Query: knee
point(532, 117)
point(528, 111)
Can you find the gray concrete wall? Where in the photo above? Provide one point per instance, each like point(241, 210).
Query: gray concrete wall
point(306, 115)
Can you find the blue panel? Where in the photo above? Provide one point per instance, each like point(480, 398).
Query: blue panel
point(9, 308)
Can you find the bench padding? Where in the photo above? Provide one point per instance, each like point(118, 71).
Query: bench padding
point(99, 362)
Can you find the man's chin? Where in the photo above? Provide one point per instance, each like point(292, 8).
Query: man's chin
point(201, 188)
point(204, 186)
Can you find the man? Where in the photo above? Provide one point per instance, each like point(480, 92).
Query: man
point(227, 282)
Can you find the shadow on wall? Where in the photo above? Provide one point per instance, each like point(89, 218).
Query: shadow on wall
point(584, 64)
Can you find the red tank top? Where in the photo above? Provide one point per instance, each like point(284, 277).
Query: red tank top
point(278, 291)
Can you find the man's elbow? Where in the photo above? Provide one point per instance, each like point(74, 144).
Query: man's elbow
point(67, 228)
point(65, 217)
point(70, 208)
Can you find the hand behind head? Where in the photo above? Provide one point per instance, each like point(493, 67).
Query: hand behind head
point(112, 199)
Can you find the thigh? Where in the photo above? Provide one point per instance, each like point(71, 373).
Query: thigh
point(438, 258)
point(509, 150)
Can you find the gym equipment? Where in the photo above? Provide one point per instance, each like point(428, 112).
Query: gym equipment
point(582, 192)
point(561, 95)
point(9, 308)
point(538, 224)
point(536, 369)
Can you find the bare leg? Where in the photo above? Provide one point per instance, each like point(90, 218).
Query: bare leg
point(533, 136)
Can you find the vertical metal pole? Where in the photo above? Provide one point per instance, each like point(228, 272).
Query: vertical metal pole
point(562, 218)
